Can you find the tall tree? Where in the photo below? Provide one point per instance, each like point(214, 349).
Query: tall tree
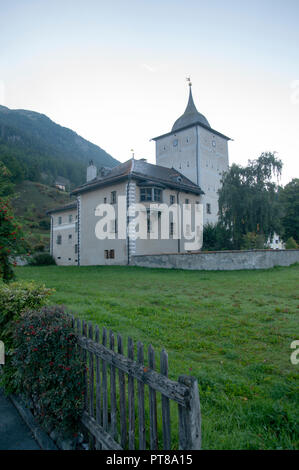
point(11, 237)
point(289, 198)
point(248, 198)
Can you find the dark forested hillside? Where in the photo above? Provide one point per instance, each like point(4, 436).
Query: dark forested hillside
point(35, 148)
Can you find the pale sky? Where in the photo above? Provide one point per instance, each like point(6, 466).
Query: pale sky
point(115, 71)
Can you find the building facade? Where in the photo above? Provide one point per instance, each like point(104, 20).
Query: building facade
point(64, 234)
point(157, 194)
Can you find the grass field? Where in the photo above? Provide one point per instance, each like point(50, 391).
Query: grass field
point(232, 330)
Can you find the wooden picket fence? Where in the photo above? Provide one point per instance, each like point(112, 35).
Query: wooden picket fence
point(112, 413)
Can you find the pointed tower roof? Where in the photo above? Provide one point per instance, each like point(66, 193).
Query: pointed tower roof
point(190, 116)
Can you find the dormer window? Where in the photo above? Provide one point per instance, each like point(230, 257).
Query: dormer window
point(150, 194)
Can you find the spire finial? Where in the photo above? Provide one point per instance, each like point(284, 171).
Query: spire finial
point(132, 150)
point(189, 81)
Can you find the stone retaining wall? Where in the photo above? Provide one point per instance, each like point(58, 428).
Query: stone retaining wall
point(219, 260)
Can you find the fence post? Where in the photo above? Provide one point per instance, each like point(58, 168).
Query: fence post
point(190, 417)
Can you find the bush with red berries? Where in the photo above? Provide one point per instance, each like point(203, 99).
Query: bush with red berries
point(49, 368)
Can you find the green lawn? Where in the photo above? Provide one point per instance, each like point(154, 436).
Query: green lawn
point(232, 330)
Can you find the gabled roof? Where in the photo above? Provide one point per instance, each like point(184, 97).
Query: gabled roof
point(142, 171)
point(66, 207)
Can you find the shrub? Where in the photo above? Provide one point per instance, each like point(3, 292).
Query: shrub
point(16, 298)
point(253, 241)
point(49, 369)
point(42, 259)
point(291, 244)
point(216, 238)
point(39, 247)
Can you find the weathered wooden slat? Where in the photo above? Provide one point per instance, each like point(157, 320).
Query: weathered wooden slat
point(78, 326)
point(112, 391)
point(91, 374)
point(173, 390)
point(98, 386)
point(84, 333)
point(153, 404)
point(99, 433)
point(104, 383)
point(131, 399)
point(91, 381)
point(165, 404)
point(122, 397)
point(190, 417)
point(98, 380)
point(141, 410)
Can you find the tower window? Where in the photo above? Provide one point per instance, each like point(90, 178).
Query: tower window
point(172, 199)
point(208, 208)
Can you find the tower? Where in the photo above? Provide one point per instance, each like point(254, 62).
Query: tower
point(198, 151)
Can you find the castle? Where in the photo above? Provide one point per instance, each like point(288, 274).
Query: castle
point(190, 160)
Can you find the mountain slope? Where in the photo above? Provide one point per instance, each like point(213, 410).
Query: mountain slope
point(34, 147)
point(31, 201)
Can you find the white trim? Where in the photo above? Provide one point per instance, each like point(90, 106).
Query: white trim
point(61, 227)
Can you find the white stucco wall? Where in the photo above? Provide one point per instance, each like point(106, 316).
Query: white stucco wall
point(182, 156)
point(92, 250)
point(64, 254)
point(201, 156)
point(169, 245)
point(213, 161)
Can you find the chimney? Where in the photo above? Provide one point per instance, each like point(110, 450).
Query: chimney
point(91, 171)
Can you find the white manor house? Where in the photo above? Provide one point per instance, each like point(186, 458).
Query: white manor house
point(190, 160)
